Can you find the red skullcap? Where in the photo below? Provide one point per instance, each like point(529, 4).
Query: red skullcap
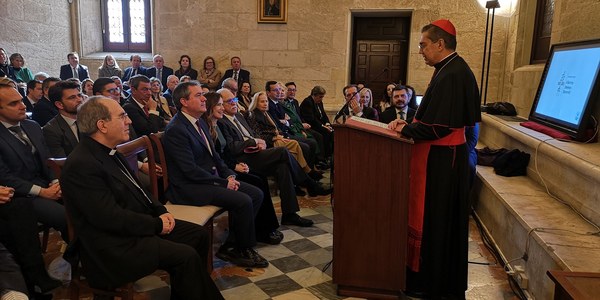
point(445, 25)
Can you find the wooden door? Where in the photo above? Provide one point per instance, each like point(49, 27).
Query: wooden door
point(378, 63)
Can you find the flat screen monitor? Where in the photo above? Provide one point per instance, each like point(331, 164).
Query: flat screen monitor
point(569, 88)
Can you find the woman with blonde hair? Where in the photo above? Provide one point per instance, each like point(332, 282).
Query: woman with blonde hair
point(264, 126)
point(110, 67)
point(209, 74)
point(366, 101)
point(163, 107)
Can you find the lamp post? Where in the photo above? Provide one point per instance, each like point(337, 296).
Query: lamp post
point(485, 68)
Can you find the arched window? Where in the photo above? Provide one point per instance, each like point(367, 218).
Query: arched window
point(126, 25)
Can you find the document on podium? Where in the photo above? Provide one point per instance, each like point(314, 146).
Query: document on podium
point(373, 126)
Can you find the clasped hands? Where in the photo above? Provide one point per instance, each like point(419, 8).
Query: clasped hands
point(168, 222)
point(397, 125)
point(6, 194)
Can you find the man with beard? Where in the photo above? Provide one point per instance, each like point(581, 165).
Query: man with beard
point(399, 108)
point(61, 132)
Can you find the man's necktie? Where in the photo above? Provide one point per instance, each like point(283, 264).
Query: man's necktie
point(235, 75)
point(21, 135)
point(159, 74)
point(204, 139)
point(75, 73)
point(75, 129)
point(146, 111)
point(245, 134)
point(134, 72)
point(401, 115)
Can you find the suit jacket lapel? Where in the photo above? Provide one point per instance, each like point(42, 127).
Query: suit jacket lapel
point(192, 129)
point(13, 142)
point(66, 129)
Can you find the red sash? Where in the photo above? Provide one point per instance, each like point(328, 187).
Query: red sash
point(416, 202)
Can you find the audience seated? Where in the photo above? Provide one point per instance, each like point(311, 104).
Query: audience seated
point(276, 93)
point(61, 132)
point(209, 74)
point(172, 82)
point(264, 127)
point(292, 109)
point(122, 233)
point(141, 109)
point(353, 106)
point(22, 73)
point(123, 95)
point(109, 67)
point(40, 76)
point(265, 223)
point(6, 70)
point(86, 88)
point(159, 70)
point(164, 106)
point(73, 69)
point(44, 110)
point(244, 96)
point(236, 72)
point(399, 108)
point(136, 68)
point(185, 68)
point(313, 113)
point(34, 94)
point(366, 100)
point(387, 98)
point(199, 176)
point(23, 154)
point(21, 262)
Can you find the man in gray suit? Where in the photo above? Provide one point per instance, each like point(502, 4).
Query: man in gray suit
point(61, 133)
point(23, 155)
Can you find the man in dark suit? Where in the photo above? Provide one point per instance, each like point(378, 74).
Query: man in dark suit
point(199, 176)
point(236, 72)
point(353, 106)
point(275, 161)
point(276, 93)
point(140, 107)
point(172, 82)
point(73, 69)
point(44, 110)
point(122, 233)
point(61, 133)
point(135, 69)
point(313, 113)
point(34, 94)
point(23, 155)
point(159, 70)
point(399, 108)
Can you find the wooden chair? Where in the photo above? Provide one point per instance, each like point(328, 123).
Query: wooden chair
point(201, 215)
point(124, 292)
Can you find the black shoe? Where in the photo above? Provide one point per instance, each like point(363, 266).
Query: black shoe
point(315, 175)
point(322, 165)
point(272, 238)
point(318, 190)
point(294, 219)
point(299, 191)
point(247, 257)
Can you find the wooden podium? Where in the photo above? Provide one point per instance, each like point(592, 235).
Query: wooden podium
point(370, 210)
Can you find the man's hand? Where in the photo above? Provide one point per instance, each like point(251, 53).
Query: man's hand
point(355, 106)
point(306, 125)
point(168, 223)
point(152, 104)
point(53, 192)
point(145, 168)
point(232, 184)
point(242, 168)
point(397, 125)
point(6, 194)
point(261, 144)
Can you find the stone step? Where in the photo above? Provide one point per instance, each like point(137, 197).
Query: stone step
point(523, 218)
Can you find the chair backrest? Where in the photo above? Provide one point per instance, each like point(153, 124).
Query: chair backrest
point(156, 139)
point(130, 150)
point(56, 165)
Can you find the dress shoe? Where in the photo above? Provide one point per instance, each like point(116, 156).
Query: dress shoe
point(272, 238)
point(322, 165)
point(318, 190)
point(299, 191)
point(315, 175)
point(294, 219)
point(245, 257)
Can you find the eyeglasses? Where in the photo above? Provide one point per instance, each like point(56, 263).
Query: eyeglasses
point(424, 45)
point(232, 101)
point(113, 91)
point(291, 90)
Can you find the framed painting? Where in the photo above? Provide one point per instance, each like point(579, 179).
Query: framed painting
point(272, 11)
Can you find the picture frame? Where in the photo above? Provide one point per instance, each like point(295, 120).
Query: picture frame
point(272, 11)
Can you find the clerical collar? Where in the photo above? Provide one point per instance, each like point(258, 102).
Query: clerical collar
point(446, 59)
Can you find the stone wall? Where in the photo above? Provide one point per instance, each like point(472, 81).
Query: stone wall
point(39, 30)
